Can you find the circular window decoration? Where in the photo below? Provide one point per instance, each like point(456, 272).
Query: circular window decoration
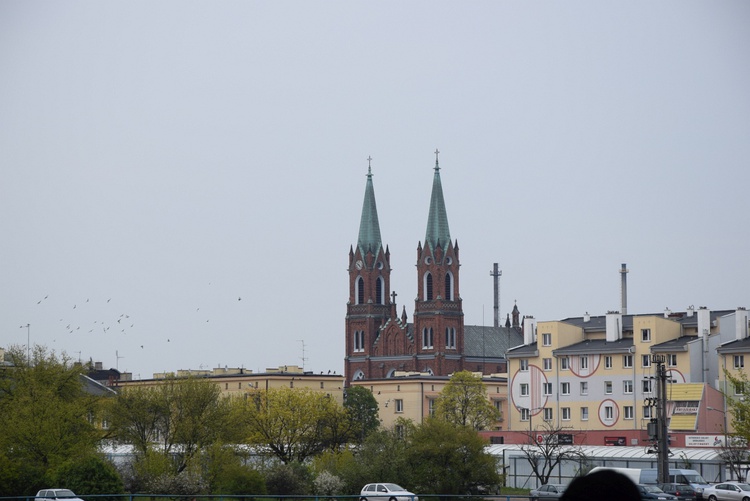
point(449, 260)
point(609, 412)
point(427, 260)
point(527, 389)
point(358, 375)
point(380, 265)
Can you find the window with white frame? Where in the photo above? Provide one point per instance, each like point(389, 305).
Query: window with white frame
point(646, 412)
point(524, 414)
point(627, 361)
point(646, 335)
point(547, 414)
point(564, 363)
point(427, 338)
point(399, 405)
point(547, 364)
point(608, 362)
point(647, 386)
point(359, 341)
point(627, 412)
point(524, 389)
point(739, 388)
point(672, 359)
point(584, 388)
point(565, 413)
point(584, 362)
point(609, 412)
point(739, 361)
point(524, 364)
point(584, 413)
point(565, 388)
point(645, 360)
point(608, 387)
point(627, 387)
point(431, 406)
point(546, 389)
point(546, 339)
point(450, 338)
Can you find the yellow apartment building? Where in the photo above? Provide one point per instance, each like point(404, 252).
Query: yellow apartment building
point(595, 375)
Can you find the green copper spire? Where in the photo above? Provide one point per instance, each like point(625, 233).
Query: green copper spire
point(369, 228)
point(437, 220)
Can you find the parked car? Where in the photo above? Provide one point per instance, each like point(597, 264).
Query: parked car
point(386, 492)
point(547, 491)
point(55, 494)
point(727, 491)
point(683, 492)
point(651, 491)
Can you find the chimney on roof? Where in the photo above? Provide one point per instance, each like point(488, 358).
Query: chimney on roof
point(586, 317)
point(704, 321)
point(614, 326)
point(624, 289)
point(529, 330)
point(741, 326)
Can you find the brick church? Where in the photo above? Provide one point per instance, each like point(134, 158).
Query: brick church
point(381, 342)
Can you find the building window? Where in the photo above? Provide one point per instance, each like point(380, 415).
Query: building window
point(646, 335)
point(584, 388)
point(628, 412)
point(524, 364)
point(546, 339)
point(608, 412)
point(739, 361)
point(379, 299)
point(646, 360)
point(359, 341)
point(321, 385)
point(428, 286)
point(448, 287)
point(608, 362)
point(399, 405)
point(739, 389)
point(524, 414)
point(547, 362)
point(584, 362)
point(608, 387)
point(627, 361)
point(546, 389)
point(646, 386)
point(627, 387)
point(427, 338)
point(565, 412)
point(547, 414)
point(564, 363)
point(584, 413)
point(431, 406)
point(524, 389)
point(450, 338)
point(672, 359)
point(360, 290)
point(646, 412)
point(565, 388)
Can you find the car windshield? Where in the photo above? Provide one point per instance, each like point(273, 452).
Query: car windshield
point(65, 493)
point(695, 479)
point(651, 488)
point(393, 487)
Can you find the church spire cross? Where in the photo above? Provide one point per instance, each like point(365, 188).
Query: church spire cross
point(369, 167)
point(393, 297)
point(437, 152)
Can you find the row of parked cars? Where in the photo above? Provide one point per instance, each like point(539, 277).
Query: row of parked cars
point(685, 485)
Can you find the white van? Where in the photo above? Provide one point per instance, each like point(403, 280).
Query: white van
point(649, 476)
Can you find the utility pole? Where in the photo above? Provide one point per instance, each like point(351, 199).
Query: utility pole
point(662, 439)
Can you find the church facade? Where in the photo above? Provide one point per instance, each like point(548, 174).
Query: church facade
point(380, 342)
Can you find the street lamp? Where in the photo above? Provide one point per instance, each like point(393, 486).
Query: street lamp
point(28, 343)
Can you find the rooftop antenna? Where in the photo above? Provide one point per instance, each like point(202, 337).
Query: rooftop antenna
point(117, 363)
point(496, 274)
point(303, 358)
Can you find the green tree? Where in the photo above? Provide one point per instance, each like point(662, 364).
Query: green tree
point(182, 415)
point(362, 412)
point(47, 418)
point(737, 396)
point(91, 475)
point(463, 402)
point(449, 459)
point(294, 424)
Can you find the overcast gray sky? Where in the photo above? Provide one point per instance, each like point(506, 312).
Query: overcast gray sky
point(161, 160)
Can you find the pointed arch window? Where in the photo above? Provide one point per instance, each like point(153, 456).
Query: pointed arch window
point(360, 290)
point(449, 286)
point(380, 290)
point(427, 338)
point(428, 286)
point(359, 341)
point(450, 338)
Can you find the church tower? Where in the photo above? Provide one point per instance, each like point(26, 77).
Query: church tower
point(438, 312)
point(369, 305)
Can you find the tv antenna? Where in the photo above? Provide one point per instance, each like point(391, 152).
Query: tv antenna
point(303, 358)
point(117, 363)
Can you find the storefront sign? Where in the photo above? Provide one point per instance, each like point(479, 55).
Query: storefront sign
point(614, 440)
point(704, 440)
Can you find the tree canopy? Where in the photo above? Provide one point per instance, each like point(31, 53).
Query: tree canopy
point(464, 402)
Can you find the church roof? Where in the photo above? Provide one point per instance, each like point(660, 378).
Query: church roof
point(438, 232)
point(369, 227)
point(490, 342)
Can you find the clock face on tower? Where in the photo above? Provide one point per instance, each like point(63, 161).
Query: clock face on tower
point(358, 264)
